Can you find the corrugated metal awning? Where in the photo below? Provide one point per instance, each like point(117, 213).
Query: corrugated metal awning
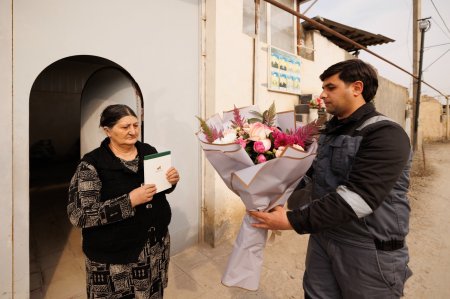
point(360, 36)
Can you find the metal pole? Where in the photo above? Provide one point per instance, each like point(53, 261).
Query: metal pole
point(417, 8)
point(256, 47)
point(423, 27)
point(417, 105)
point(446, 113)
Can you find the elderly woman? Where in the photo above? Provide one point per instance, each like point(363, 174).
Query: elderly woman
point(124, 222)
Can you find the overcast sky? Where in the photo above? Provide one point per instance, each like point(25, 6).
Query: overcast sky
point(393, 18)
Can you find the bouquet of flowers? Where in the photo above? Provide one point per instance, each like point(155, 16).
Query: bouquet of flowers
point(261, 158)
point(317, 103)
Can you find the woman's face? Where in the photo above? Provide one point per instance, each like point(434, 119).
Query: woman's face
point(125, 131)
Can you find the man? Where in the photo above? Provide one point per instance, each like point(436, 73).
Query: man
point(358, 218)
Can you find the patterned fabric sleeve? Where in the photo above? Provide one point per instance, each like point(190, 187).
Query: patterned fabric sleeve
point(85, 208)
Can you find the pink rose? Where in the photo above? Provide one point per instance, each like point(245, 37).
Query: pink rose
point(262, 146)
point(242, 142)
point(258, 147)
point(261, 158)
point(258, 131)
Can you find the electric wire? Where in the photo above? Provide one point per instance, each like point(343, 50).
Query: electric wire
point(437, 24)
point(432, 46)
point(436, 60)
point(442, 19)
point(309, 7)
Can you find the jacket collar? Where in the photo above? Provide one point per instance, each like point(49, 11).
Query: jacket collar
point(334, 123)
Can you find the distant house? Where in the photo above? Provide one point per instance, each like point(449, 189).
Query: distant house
point(433, 126)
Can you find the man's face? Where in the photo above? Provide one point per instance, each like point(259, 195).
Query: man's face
point(338, 96)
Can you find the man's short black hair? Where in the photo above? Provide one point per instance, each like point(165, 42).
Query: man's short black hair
point(355, 70)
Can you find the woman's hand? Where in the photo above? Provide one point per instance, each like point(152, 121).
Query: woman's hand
point(172, 175)
point(142, 194)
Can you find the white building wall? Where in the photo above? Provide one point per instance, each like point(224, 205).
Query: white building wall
point(228, 81)
point(6, 157)
point(391, 100)
point(157, 42)
point(326, 54)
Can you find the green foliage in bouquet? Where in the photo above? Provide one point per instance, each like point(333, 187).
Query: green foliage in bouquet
point(210, 133)
point(267, 117)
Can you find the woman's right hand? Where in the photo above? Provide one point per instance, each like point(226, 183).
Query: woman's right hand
point(142, 194)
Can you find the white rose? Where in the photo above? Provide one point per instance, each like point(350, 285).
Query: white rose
point(229, 136)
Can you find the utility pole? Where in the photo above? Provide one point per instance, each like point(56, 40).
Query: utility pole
point(424, 25)
point(417, 7)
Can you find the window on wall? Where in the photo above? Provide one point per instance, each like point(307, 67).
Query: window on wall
point(277, 27)
point(282, 27)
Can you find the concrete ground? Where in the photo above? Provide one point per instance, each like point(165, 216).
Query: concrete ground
point(57, 268)
point(57, 264)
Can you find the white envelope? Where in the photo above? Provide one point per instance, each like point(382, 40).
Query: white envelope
point(155, 169)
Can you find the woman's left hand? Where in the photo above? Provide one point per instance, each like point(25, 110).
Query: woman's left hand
point(172, 175)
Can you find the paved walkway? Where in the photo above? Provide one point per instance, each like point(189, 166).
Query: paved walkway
point(428, 241)
point(196, 272)
point(57, 263)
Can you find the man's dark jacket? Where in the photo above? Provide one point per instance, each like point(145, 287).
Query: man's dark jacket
point(360, 181)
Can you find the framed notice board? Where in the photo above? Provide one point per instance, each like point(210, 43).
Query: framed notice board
point(284, 71)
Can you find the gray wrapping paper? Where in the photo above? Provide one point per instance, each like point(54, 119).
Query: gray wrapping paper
point(260, 187)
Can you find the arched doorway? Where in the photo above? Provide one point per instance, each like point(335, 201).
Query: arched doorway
point(109, 85)
point(65, 101)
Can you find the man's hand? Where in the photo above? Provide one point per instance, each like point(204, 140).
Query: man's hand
point(276, 219)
